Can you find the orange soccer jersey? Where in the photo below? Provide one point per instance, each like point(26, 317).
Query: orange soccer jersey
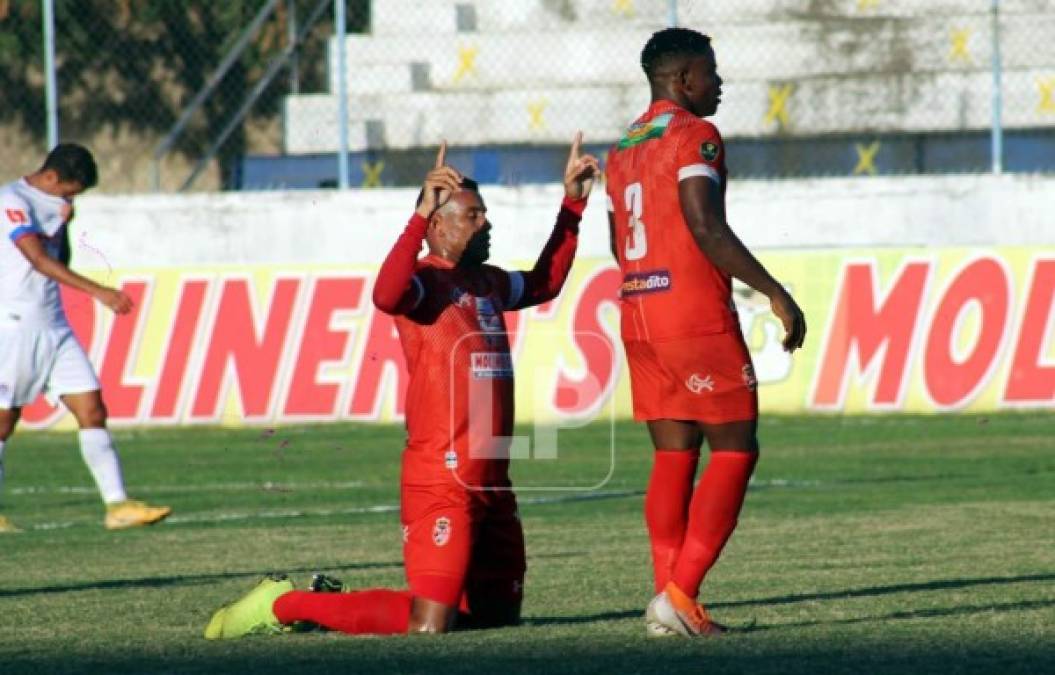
point(670, 289)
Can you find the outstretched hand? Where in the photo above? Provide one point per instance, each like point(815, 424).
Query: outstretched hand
point(440, 183)
point(580, 172)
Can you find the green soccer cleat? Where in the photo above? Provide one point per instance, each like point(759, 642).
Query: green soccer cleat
point(214, 629)
point(251, 614)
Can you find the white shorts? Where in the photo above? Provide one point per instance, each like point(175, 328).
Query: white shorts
point(35, 360)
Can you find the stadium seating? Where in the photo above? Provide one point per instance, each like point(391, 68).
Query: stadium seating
point(480, 72)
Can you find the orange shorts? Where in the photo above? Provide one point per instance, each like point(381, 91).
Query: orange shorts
point(708, 378)
point(461, 546)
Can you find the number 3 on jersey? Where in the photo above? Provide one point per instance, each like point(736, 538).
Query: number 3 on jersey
point(636, 245)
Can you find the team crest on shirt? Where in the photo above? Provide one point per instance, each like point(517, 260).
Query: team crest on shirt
point(697, 384)
point(749, 377)
point(645, 131)
point(460, 298)
point(441, 531)
point(487, 316)
point(450, 460)
point(709, 151)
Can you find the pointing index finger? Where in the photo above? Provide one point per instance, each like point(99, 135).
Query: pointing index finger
point(441, 156)
point(576, 145)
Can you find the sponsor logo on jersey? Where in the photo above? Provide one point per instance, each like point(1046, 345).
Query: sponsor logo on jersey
point(645, 131)
point(488, 317)
point(441, 531)
point(17, 216)
point(490, 365)
point(450, 460)
point(749, 377)
point(637, 283)
point(697, 384)
point(709, 151)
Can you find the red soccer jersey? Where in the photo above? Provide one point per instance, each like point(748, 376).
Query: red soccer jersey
point(670, 288)
point(460, 395)
point(450, 322)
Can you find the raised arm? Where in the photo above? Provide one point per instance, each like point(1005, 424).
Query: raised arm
point(701, 205)
point(543, 282)
point(397, 290)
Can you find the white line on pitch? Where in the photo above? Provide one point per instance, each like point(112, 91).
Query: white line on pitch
point(394, 508)
point(264, 486)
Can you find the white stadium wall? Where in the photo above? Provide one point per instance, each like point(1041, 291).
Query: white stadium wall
point(922, 294)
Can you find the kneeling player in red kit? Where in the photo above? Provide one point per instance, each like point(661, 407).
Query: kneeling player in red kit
point(463, 544)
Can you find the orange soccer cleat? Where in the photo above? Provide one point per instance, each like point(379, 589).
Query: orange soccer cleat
point(674, 613)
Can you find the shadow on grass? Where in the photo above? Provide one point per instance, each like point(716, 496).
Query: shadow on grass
point(181, 579)
point(197, 579)
point(512, 656)
point(937, 585)
point(934, 612)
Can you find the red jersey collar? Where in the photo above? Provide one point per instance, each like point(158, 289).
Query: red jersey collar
point(661, 106)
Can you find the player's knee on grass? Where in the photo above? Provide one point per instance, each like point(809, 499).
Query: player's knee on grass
point(492, 602)
point(429, 616)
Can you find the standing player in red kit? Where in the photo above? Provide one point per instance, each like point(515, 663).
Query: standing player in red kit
point(463, 544)
point(691, 373)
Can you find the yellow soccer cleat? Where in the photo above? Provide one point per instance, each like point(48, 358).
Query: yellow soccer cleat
point(252, 613)
point(7, 527)
point(134, 513)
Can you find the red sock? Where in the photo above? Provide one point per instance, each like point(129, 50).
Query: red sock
point(377, 612)
point(667, 508)
point(712, 516)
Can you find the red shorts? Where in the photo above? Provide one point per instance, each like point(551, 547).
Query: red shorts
point(708, 378)
point(458, 543)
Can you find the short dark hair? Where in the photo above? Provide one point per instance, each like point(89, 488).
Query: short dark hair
point(670, 43)
point(72, 162)
point(467, 184)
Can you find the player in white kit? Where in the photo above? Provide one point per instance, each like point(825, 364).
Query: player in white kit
point(38, 350)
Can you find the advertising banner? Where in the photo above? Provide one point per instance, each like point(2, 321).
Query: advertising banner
point(917, 329)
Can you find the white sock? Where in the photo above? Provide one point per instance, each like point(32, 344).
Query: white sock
point(2, 444)
point(98, 452)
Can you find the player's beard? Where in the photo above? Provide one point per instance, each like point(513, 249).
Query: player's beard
point(477, 251)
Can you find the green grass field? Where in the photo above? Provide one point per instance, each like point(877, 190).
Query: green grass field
point(868, 545)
